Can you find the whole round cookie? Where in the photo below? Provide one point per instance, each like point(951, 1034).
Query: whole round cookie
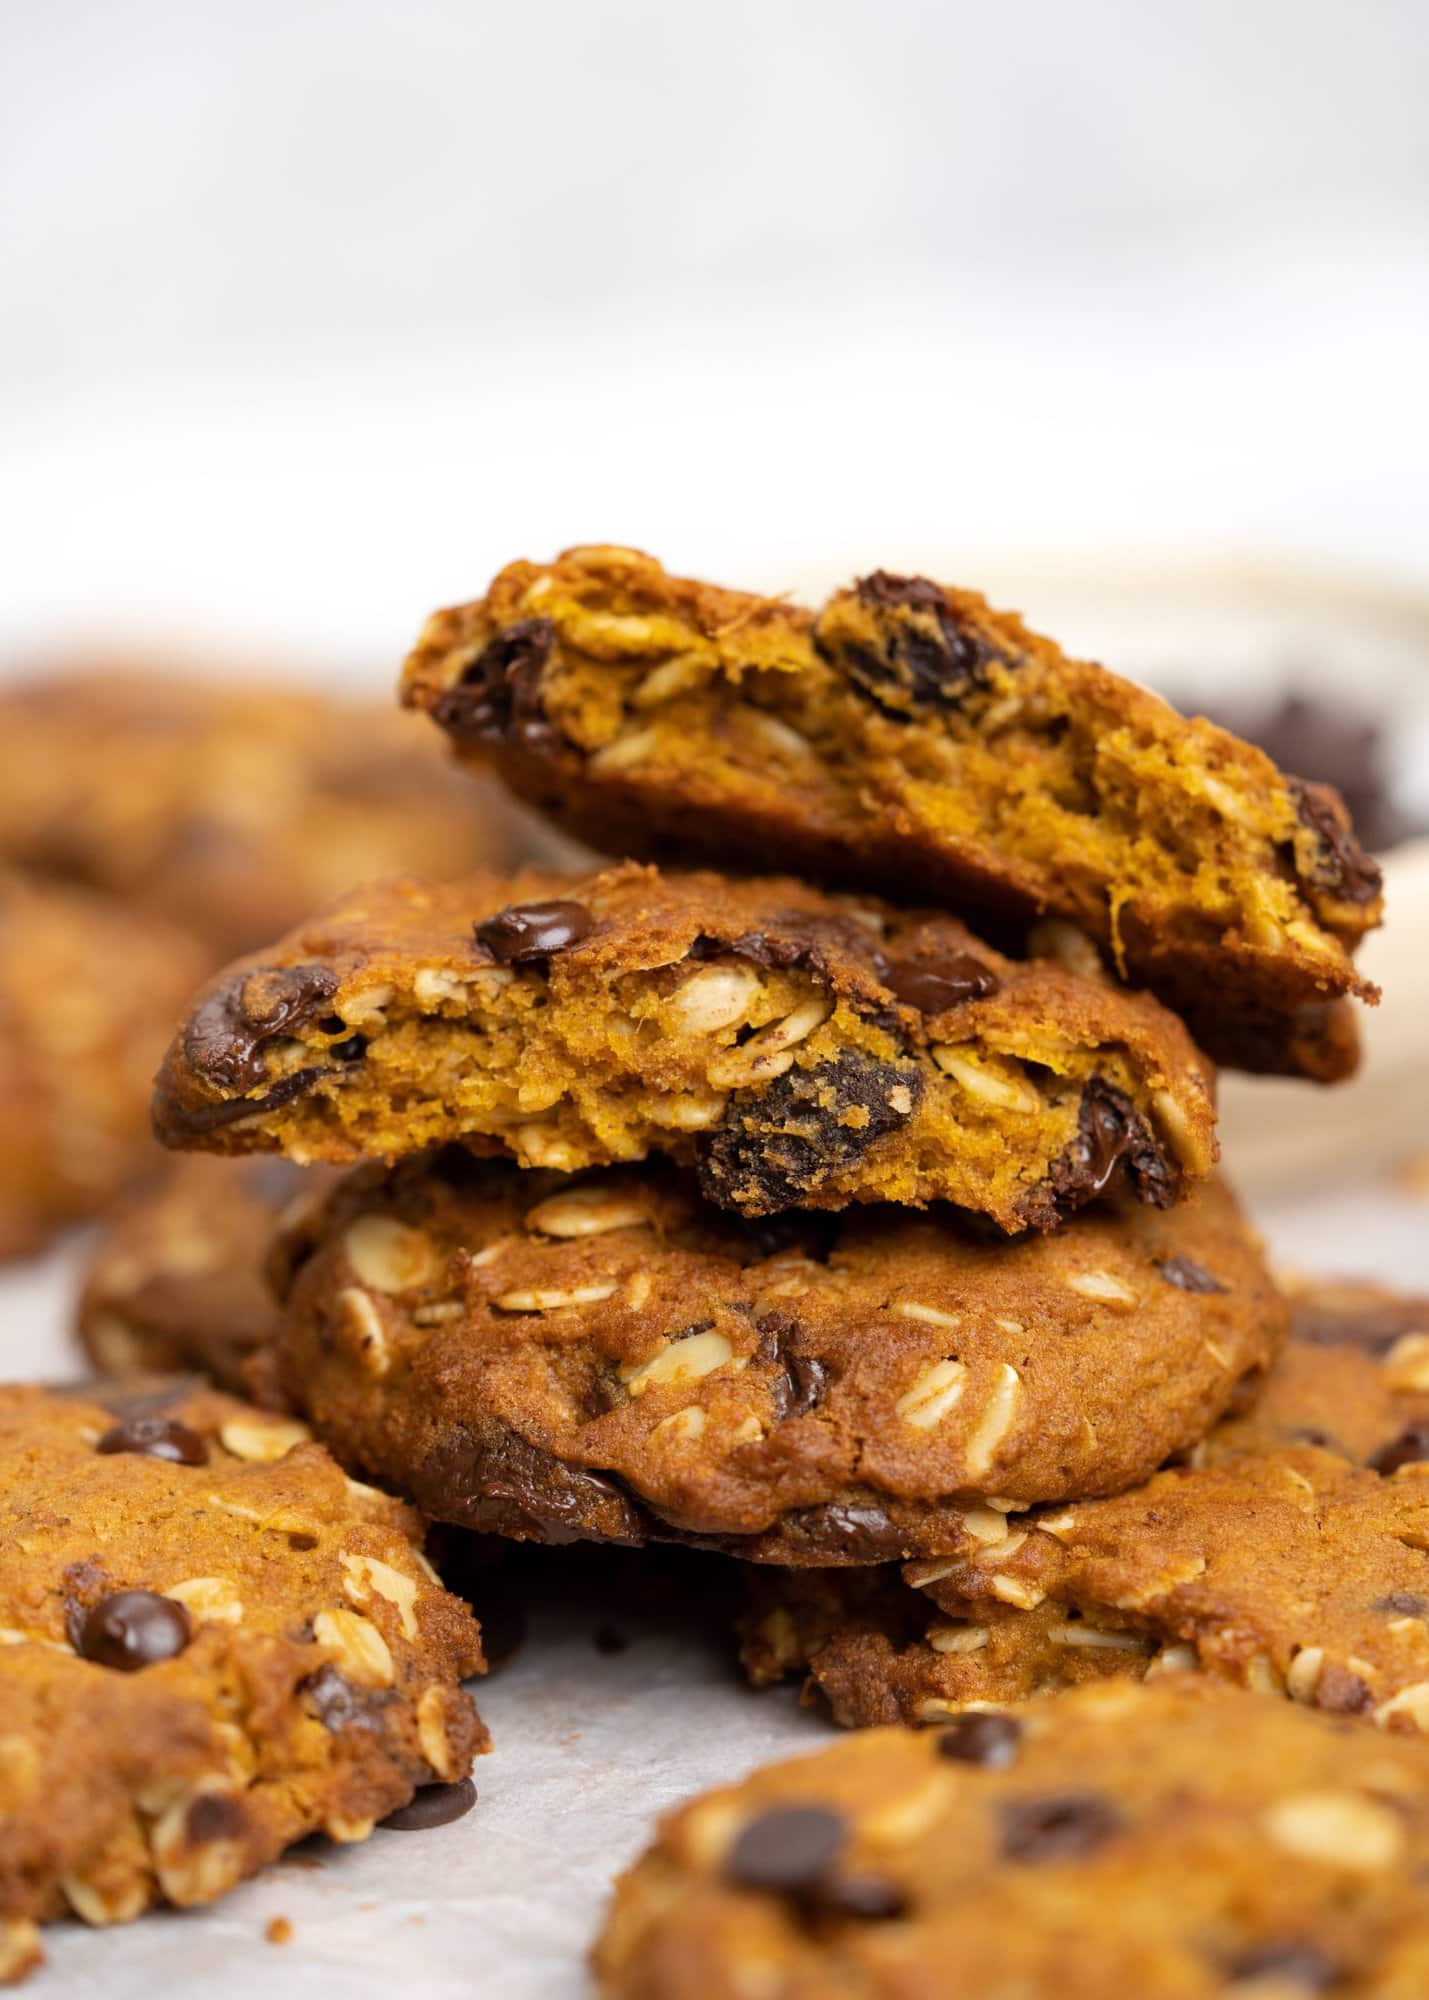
point(89, 993)
point(909, 738)
point(1287, 1554)
point(612, 1358)
point(177, 1278)
point(212, 1643)
point(798, 1049)
point(1181, 1839)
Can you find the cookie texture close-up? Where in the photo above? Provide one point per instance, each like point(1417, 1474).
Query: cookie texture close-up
point(796, 1049)
point(1289, 1553)
point(909, 739)
point(212, 1643)
point(1180, 1839)
point(88, 998)
point(612, 1358)
point(178, 1277)
point(231, 807)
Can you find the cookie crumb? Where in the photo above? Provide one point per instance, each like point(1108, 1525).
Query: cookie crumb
point(278, 1930)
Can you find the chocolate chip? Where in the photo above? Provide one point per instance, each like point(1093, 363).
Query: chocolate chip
point(489, 1478)
point(924, 656)
point(213, 1816)
point(802, 1379)
point(526, 933)
point(993, 1741)
point(1342, 1692)
point(1061, 1827)
point(934, 984)
point(1285, 1961)
point(789, 1850)
point(1411, 1447)
point(868, 1898)
point(845, 1533)
point(1340, 867)
point(156, 1437)
point(498, 697)
point(1403, 1604)
point(1189, 1276)
point(433, 1805)
point(193, 1119)
point(1113, 1147)
point(775, 1146)
point(340, 1704)
point(352, 1050)
point(224, 1042)
point(130, 1629)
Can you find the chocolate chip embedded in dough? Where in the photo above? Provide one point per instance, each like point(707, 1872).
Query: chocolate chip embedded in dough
point(526, 933)
point(231, 1028)
point(922, 656)
point(1189, 1276)
point(994, 1741)
point(1338, 865)
point(1114, 1143)
point(932, 985)
point(156, 1437)
point(131, 1629)
point(340, 1704)
point(788, 1850)
point(498, 697)
point(1411, 1447)
point(1063, 1826)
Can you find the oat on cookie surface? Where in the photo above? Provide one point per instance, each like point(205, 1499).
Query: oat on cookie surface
point(609, 1357)
point(1290, 1554)
point(1178, 1839)
point(177, 1280)
point(230, 807)
point(909, 739)
point(212, 1643)
point(798, 1049)
point(88, 996)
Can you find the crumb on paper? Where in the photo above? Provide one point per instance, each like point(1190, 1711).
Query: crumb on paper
point(279, 1931)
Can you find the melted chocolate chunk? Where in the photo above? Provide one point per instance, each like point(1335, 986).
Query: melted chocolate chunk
point(780, 1144)
point(493, 1480)
point(1114, 1148)
point(340, 1704)
point(233, 1026)
point(209, 1117)
point(350, 1050)
point(527, 933)
point(156, 1437)
point(994, 1741)
point(788, 1850)
point(433, 1805)
point(1061, 1827)
point(845, 1533)
point(925, 657)
point(934, 984)
point(1411, 1447)
point(498, 697)
point(1341, 868)
point(1285, 1962)
point(1189, 1276)
point(803, 1379)
point(130, 1629)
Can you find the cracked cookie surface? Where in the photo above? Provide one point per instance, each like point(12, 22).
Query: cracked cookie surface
point(228, 807)
point(909, 739)
point(797, 1049)
point(614, 1359)
point(1290, 1554)
point(88, 997)
point(1179, 1839)
point(216, 1645)
point(178, 1278)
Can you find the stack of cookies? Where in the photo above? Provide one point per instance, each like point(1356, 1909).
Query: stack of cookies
point(829, 1183)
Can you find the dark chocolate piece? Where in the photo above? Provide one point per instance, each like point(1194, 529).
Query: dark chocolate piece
point(1063, 1826)
point(784, 1142)
point(994, 1741)
point(131, 1629)
point(498, 697)
point(527, 933)
point(156, 1437)
point(233, 1026)
point(433, 1805)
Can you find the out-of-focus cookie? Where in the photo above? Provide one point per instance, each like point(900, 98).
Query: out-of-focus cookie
point(178, 1279)
point(1290, 1554)
point(231, 807)
point(909, 739)
point(1176, 1839)
point(89, 993)
point(212, 1643)
point(800, 1050)
point(612, 1358)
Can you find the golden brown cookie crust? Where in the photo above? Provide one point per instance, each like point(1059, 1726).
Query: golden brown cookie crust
point(1175, 1839)
point(909, 739)
point(1287, 1554)
point(798, 1049)
point(284, 1662)
point(611, 1358)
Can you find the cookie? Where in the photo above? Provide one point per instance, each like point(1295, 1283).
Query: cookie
point(88, 997)
point(1180, 1839)
point(614, 1359)
point(1287, 1554)
point(911, 740)
point(216, 1645)
point(230, 807)
point(177, 1280)
point(798, 1049)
